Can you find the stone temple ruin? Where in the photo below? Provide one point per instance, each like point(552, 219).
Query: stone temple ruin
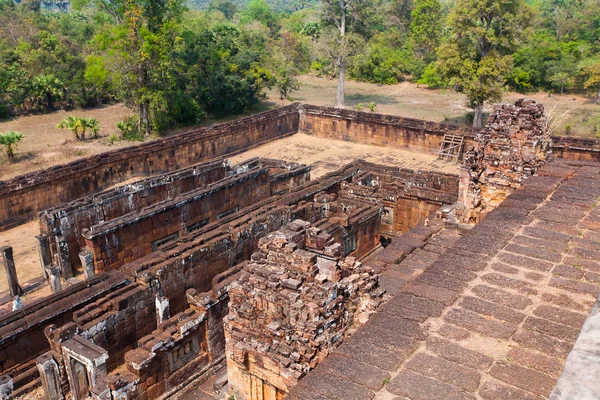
point(370, 281)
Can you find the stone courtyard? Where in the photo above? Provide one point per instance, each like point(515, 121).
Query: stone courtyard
point(309, 253)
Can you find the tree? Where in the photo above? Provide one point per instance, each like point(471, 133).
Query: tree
point(92, 124)
point(426, 28)
point(140, 53)
point(228, 8)
point(73, 124)
point(9, 141)
point(478, 54)
point(590, 69)
point(350, 19)
point(286, 81)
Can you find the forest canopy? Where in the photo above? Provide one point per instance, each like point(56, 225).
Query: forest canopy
point(175, 63)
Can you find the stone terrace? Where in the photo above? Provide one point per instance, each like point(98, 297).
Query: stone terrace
point(491, 314)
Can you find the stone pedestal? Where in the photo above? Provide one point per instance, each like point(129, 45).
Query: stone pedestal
point(6, 253)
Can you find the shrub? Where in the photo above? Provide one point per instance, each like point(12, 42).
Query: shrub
point(372, 106)
point(9, 141)
point(92, 124)
point(129, 130)
point(113, 138)
point(359, 107)
point(73, 124)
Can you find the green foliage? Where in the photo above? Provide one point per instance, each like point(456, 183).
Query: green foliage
point(372, 106)
point(129, 130)
point(92, 124)
point(113, 138)
point(477, 56)
point(426, 28)
point(73, 124)
point(9, 141)
point(359, 107)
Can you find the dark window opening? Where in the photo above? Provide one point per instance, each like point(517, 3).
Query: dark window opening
point(162, 242)
point(228, 212)
point(198, 225)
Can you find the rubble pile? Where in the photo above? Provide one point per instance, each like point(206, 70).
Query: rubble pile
point(291, 305)
point(513, 145)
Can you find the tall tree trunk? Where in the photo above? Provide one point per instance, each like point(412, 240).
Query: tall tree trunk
point(339, 100)
point(144, 118)
point(478, 119)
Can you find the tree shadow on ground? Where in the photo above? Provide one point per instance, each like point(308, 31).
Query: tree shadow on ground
point(465, 119)
point(365, 99)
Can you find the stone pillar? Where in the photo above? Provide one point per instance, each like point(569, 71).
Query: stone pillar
point(11, 273)
point(162, 309)
point(43, 247)
point(6, 387)
point(64, 259)
point(53, 273)
point(87, 262)
point(50, 376)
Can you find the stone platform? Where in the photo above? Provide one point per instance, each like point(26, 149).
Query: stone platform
point(489, 314)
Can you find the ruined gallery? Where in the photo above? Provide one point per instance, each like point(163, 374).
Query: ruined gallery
point(196, 267)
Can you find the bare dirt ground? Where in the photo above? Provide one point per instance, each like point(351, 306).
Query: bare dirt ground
point(44, 145)
point(574, 113)
point(327, 155)
point(27, 261)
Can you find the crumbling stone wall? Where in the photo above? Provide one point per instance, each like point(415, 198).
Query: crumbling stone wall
point(378, 129)
point(122, 240)
point(291, 305)
point(513, 145)
point(66, 222)
point(23, 197)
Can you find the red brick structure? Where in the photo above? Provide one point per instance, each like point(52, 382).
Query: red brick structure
point(512, 146)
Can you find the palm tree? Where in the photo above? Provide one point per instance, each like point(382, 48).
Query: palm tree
point(9, 140)
point(73, 124)
point(91, 123)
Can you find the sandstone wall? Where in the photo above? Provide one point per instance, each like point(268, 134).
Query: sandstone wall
point(22, 197)
point(126, 239)
point(22, 331)
point(378, 129)
point(68, 221)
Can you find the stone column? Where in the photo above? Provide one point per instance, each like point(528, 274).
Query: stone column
point(64, 259)
point(162, 309)
point(87, 262)
point(53, 273)
point(50, 376)
point(11, 273)
point(6, 387)
point(43, 247)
